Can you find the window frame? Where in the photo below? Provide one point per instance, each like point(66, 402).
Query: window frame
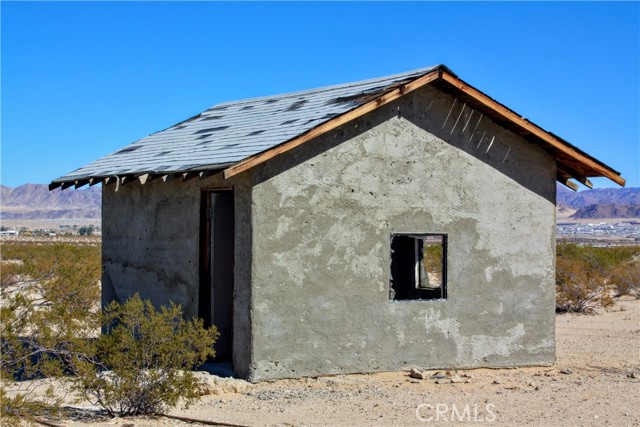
point(410, 290)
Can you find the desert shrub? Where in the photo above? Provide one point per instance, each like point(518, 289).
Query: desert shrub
point(142, 364)
point(580, 287)
point(50, 324)
point(49, 296)
point(587, 277)
point(625, 278)
point(85, 231)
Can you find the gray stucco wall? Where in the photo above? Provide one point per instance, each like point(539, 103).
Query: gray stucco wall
point(151, 247)
point(322, 219)
point(312, 237)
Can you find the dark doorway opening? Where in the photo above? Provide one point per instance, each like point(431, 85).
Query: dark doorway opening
point(215, 303)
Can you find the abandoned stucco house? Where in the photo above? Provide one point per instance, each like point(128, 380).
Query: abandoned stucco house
point(401, 221)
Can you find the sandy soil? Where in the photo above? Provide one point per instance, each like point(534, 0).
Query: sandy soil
point(594, 382)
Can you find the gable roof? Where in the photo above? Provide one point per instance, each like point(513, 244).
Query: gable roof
point(236, 136)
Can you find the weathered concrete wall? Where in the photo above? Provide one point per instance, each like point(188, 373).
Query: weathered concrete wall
point(150, 243)
point(322, 219)
point(151, 247)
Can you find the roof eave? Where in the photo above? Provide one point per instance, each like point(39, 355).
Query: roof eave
point(143, 177)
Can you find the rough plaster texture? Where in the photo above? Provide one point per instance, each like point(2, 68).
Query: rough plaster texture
point(312, 246)
point(323, 216)
point(151, 246)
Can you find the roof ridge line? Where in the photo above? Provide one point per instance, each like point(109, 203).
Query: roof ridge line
point(408, 74)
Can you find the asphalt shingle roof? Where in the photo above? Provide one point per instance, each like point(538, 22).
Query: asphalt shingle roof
point(230, 132)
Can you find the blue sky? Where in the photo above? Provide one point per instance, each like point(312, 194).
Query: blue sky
point(82, 79)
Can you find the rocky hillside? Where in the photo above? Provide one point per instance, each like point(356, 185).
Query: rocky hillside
point(35, 201)
point(599, 203)
point(599, 196)
point(608, 211)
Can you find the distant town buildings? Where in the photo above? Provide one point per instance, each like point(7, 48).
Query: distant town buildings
point(623, 232)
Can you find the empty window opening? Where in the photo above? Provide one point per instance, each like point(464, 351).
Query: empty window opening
point(418, 267)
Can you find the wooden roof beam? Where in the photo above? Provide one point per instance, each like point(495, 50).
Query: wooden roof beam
point(530, 127)
point(563, 178)
point(207, 173)
point(81, 183)
point(94, 181)
point(189, 175)
point(571, 185)
point(127, 179)
point(570, 173)
point(325, 127)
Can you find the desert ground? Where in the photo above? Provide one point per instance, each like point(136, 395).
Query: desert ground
point(594, 382)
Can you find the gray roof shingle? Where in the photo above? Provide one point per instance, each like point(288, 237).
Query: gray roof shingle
point(230, 132)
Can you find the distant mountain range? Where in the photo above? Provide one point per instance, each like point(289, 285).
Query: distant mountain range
point(599, 203)
point(35, 201)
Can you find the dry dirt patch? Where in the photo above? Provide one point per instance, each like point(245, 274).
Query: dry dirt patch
point(595, 382)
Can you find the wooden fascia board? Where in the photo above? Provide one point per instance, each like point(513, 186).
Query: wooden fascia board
point(332, 124)
point(530, 127)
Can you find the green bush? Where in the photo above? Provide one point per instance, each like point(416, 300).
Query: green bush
point(50, 326)
point(142, 364)
point(85, 231)
point(49, 309)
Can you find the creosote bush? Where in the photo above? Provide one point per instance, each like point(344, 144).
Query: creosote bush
point(142, 364)
point(50, 327)
point(48, 308)
point(588, 277)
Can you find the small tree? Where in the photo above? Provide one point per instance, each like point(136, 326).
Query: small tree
point(85, 231)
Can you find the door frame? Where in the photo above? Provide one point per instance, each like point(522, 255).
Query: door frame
point(206, 285)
